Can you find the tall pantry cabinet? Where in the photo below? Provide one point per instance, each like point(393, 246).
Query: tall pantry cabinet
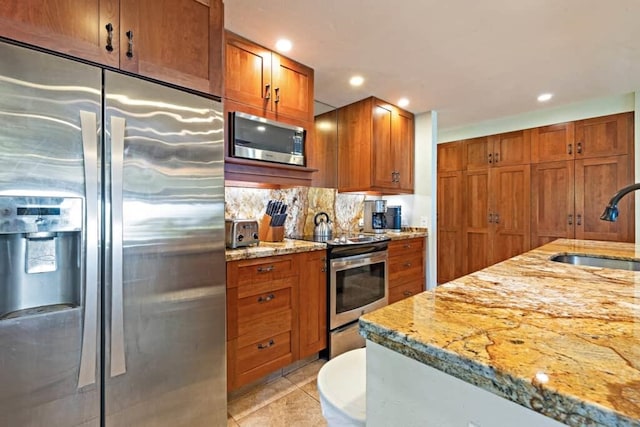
point(518, 190)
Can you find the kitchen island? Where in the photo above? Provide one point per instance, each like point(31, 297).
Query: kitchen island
point(525, 337)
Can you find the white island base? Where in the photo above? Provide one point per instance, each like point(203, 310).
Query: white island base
point(404, 392)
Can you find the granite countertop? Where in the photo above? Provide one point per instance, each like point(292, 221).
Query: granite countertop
point(559, 339)
point(291, 246)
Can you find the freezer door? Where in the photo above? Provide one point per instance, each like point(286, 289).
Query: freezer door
point(47, 106)
point(165, 294)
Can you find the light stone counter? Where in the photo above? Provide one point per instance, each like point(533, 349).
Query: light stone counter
point(561, 340)
point(291, 246)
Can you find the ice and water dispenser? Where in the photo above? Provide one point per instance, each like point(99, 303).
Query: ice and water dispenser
point(40, 255)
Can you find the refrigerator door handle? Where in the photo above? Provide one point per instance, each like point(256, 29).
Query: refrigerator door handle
point(118, 365)
point(89, 132)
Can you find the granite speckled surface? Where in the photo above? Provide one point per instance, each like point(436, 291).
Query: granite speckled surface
point(559, 339)
point(290, 246)
point(265, 249)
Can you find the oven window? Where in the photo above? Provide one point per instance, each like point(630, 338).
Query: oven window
point(359, 286)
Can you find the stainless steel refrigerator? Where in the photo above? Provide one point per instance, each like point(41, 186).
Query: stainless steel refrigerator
point(112, 270)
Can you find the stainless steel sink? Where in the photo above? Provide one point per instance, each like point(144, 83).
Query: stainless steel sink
point(598, 261)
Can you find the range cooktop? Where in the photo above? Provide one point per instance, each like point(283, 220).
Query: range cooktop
point(345, 239)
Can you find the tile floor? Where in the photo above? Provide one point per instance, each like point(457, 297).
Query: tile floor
point(290, 400)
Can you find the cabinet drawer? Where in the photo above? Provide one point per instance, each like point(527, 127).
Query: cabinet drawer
point(262, 327)
point(405, 290)
point(265, 269)
point(402, 269)
point(263, 351)
point(264, 303)
point(406, 247)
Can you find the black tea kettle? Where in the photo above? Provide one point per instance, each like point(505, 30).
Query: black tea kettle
point(323, 225)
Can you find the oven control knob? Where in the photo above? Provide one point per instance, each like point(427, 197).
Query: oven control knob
point(255, 236)
point(240, 237)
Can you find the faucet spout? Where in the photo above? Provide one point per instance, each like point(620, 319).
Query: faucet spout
point(611, 210)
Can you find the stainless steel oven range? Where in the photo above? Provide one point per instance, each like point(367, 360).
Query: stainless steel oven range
point(357, 283)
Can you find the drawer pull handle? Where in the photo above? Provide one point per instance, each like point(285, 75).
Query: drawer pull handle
point(266, 269)
point(323, 270)
point(267, 345)
point(407, 246)
point(408, 264)
point(267, 91)
point(266, 299)
point(579, 146)
point(407, 293)
point(570, 149)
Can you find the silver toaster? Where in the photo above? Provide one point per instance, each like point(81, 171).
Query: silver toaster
point(241, 232)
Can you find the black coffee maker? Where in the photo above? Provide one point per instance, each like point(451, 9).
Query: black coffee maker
point(394, 218)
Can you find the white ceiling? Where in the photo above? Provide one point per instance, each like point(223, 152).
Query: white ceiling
point(469, 60)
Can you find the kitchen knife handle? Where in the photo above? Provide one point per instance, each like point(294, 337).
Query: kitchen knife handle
point(88, 353)
point(109, 45)
point(117, 359)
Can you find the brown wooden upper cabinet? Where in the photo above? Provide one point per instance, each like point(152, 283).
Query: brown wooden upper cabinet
point(375, 147)
point(258, 77)
point(583, 139)
point(175, 41)
point(505, 149)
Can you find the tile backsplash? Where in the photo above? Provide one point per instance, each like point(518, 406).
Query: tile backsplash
point(345, 210)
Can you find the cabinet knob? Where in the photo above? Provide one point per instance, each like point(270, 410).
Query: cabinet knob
point(496, 158)
point(490, 158)
point(323, 269)
point(130, 44)
point(109, 45)
point(407, 293)
point(267, 345)
point(407, 265)
point(407, 246)
point(263, 299)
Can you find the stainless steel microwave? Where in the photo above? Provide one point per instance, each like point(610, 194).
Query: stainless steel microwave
point(257, 138)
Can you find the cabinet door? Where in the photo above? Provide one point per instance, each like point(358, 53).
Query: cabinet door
point(312, 311)
point(510, 193)
point(604, 136)
point(476, 229)
point(171, 40)
point(450, 156)
point(322, 153)
point(511, 148)
point(476, 153)
point(597, 180)
point(76, 28)
point(292, 91)
point(382, 147)
point(552, 143)
point(552, 204)
point(403, 150)
point(450, 239)
point(247, 72)
point(354, 146)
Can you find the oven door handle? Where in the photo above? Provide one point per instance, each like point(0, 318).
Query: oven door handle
point(358, 260)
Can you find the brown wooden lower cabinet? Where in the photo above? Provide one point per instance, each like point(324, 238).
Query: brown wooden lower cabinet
point(406, 268)
point(276, 313)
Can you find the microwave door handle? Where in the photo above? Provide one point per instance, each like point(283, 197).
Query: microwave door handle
point(117, 359)
point(88, 352)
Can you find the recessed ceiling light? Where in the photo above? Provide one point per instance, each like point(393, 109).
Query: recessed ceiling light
point(403, 102)
point(356, 81)
point(545, 97)
point(283, 45)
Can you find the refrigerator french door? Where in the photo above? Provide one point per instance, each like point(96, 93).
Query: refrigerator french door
point(112, 271)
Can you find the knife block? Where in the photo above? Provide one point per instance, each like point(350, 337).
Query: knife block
point(268, 233)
